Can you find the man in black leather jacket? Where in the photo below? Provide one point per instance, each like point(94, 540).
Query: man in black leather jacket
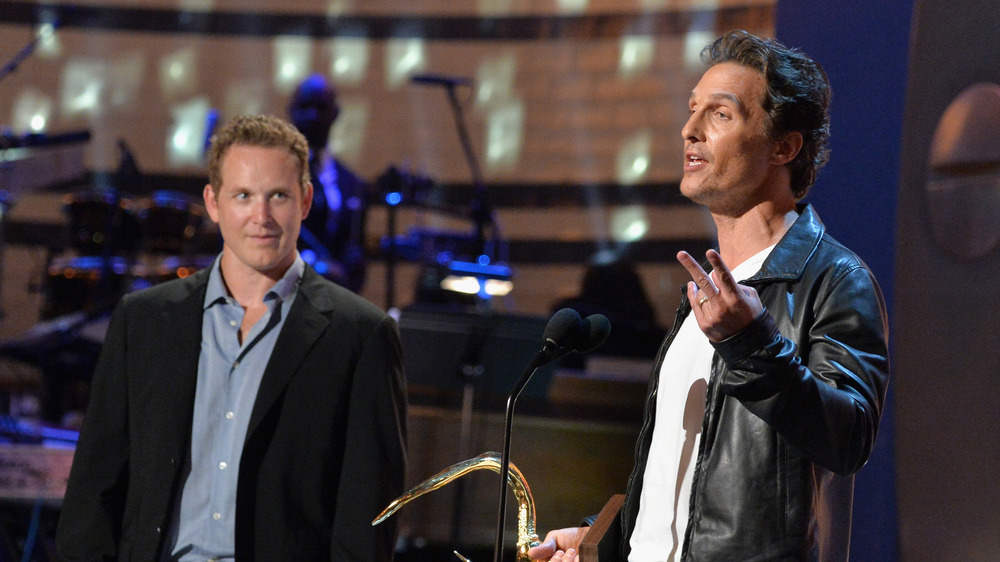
point(748, 449)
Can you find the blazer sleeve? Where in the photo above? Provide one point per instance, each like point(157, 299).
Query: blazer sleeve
point(374, 470)
point(90, 519)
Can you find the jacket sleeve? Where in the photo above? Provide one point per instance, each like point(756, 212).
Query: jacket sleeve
point(90, 519)
point(824, 393)
point(374, 470)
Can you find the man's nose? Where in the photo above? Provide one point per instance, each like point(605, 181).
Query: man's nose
point(692, 127)
point(261, 211)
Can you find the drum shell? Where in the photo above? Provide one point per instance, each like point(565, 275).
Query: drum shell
point(101, 223)
point(147, 274)
point(83, 283)
point(171, 223)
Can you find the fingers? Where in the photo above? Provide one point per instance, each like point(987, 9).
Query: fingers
point(692, 295)
point(725, 282)
point(720, 304)
point(719, 281)
point(702, 280)
point(560, 556)
point(545, 550)
point(568, 556)
point(559, 545)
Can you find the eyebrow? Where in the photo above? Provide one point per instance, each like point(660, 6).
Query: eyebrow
point(727, 96)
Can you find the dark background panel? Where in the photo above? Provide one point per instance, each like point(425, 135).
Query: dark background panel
point(863, 48)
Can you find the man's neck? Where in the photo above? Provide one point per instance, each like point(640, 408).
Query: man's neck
point(760, 227)
point(246, 285)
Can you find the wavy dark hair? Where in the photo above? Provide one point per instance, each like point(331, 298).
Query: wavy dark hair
point(797, 97)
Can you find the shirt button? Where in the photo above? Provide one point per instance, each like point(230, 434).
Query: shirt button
point(216, 516)
point(236, 364)
point(222, 465)
point(232, 323)
point(230, 415)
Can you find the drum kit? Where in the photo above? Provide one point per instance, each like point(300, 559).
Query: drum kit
point(119, 244)
point(113, 245)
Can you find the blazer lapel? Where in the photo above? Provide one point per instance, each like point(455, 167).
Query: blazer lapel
point(302, 328)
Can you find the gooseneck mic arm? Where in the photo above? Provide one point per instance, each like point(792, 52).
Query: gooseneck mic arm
point(564, 326)
point(566, 332)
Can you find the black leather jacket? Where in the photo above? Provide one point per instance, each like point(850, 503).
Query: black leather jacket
point(792, 410)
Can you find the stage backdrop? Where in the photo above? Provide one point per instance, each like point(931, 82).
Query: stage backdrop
point(947, 297)
point(863, 47)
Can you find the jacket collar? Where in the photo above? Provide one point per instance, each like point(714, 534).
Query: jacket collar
point(789, 257)
point(305, 324)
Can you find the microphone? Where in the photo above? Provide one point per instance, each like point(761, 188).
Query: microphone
point(562, 334)
point(565, 332)
point(440, 80)
point(595, 330)
point(564, 327)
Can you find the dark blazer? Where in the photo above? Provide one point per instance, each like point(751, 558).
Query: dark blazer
point(324, 452)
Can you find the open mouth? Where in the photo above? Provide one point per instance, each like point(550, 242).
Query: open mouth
point(693, 161)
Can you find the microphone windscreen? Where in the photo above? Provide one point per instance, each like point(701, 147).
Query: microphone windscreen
point(564, 327)
point(595, 331)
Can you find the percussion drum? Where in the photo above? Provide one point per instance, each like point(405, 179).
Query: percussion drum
point(101, 223)
point(170, 222)
point(82, 284)
point(152, 273)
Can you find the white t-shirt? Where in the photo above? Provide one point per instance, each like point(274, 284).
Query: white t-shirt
point(680, 411)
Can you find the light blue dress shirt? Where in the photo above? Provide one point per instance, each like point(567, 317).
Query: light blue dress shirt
point(229, 374)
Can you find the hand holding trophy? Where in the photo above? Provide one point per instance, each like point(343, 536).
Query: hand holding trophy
point(527, 536)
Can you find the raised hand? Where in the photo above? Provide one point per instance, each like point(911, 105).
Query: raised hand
point(721, 305)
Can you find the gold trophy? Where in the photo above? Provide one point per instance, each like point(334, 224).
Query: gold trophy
point(527, 536)
point(566, 332)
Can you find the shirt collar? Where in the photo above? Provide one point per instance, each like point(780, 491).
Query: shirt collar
point(282, 290)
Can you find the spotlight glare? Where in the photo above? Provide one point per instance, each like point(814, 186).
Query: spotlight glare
point(181, 139)
point(466, 285)
point(640, 165)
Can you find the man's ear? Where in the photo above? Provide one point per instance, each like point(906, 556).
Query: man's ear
point(211, 203)
point(307, 199)
point(786, 148)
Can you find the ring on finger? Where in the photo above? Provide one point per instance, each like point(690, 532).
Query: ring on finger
point(703, 300)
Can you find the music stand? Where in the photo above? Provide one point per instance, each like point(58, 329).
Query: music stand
point(488, 348)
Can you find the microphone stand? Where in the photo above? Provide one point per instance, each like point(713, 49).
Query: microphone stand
point(542, 357)
point(566, 332)
point(481, 212)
